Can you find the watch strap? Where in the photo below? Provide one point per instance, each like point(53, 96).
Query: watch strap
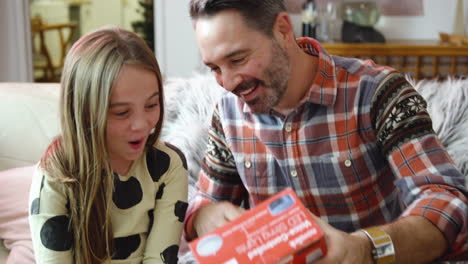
point(383, 251)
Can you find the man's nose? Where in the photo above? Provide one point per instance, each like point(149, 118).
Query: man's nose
point(230, 80)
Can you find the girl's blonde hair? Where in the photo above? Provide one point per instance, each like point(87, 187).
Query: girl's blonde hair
point(79, 157)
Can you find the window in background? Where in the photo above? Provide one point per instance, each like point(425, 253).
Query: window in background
point(57, 24)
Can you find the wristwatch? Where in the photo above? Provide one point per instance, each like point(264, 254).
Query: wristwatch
point(383, 251)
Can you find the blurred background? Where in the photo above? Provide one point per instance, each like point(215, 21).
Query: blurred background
point(36, 34)
point(56, 24)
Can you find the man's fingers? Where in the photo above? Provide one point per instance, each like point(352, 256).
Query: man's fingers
point(232, 212)
point(322, 224)
point(215, 215)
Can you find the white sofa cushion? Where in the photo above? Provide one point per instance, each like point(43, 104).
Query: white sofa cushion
point(28, 122)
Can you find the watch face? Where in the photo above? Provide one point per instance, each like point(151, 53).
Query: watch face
point(385, 250)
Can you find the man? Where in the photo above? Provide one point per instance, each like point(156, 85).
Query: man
point(353, 139)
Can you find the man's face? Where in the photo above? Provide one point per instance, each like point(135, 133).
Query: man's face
point(245, 62)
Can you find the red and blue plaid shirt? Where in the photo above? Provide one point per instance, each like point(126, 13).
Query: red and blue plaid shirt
point(359, 151)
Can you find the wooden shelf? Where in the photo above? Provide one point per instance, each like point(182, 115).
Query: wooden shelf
point(419, 58)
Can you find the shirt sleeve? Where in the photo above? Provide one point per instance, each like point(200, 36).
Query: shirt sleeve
point(49, 220)
point(169, 212)
point(218, 179)
point(429, 183)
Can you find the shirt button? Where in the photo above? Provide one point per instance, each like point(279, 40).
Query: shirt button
point(288, 127)
point(294, 173)
point(247, 164)
point(347, 163)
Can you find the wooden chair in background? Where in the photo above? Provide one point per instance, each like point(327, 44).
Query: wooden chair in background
point(45, 69)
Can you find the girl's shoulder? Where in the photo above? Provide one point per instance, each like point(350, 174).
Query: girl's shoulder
point(45, 186)
point(165, 153)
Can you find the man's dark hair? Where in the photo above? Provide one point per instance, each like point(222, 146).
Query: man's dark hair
point(259, 15)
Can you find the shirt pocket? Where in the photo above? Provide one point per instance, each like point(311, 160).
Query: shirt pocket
point(261, 174)
point(339, 182)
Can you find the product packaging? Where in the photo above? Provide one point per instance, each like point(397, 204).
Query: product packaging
point(278, 230)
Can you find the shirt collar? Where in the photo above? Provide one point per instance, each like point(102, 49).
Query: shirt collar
point(324, 87)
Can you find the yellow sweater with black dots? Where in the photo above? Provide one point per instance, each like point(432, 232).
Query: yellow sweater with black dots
point(148, 210)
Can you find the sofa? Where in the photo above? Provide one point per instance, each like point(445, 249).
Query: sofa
point(29, 120)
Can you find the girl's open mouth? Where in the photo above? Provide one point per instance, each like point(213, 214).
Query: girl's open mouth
point(137, 144)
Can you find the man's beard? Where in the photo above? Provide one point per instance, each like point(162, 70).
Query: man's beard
point(276, 77)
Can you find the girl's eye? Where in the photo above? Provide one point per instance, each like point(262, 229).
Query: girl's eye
point(121, 113)
point(151, 106)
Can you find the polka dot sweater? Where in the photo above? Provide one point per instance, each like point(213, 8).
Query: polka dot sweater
point(148, 210)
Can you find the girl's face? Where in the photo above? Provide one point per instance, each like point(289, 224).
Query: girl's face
point(134, 111)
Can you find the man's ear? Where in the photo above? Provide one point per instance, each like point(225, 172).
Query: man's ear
point(283, 29)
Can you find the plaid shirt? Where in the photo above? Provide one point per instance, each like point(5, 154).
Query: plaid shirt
point(359, 151)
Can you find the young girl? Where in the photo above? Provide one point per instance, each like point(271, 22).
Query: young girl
point(106, 189)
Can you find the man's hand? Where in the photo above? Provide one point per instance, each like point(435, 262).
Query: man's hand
point(416, 240)
point(343, 247)
point(212, 216)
